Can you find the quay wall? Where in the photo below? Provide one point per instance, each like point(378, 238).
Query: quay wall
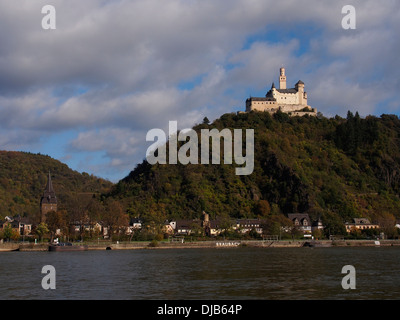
point(9, 246)
point(205, 244)
point(197, 244)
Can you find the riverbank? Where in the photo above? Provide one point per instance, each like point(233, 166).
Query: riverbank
point(7, 247)
point(244, 243)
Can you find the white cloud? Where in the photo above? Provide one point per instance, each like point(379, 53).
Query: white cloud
point(259, 65)
point(113, 70)
point(119, 146)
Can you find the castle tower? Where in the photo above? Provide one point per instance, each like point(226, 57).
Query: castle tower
point(282, 79)
point(302, 95)
point(48, 202)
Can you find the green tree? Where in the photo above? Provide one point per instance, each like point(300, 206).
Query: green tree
point(15, 235)
point(41, 230)
point(206, 121)
point(7, 232)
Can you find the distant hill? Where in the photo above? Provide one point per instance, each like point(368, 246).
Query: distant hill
point(23, 177)
point(336, 169)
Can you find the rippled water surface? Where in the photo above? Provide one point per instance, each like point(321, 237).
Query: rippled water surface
point(241, 273)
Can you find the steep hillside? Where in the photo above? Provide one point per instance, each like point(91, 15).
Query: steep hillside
point(23, 177)
point(334, 168)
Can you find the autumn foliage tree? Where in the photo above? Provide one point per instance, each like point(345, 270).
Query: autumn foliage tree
point(263, 209)
point(56, 220)
point(114, 217)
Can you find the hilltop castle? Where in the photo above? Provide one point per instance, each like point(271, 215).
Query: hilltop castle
point(292, 101)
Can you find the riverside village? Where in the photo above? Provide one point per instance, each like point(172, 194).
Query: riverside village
point(21, 234)
point(131, 232)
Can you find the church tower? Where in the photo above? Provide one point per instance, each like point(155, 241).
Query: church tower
point(48, 202)
point(282, 79)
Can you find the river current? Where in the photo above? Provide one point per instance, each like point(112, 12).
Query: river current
point(210, 274)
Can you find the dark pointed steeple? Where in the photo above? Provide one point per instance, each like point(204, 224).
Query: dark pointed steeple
point(48, 202)
point(49, 196)
point(49, 186)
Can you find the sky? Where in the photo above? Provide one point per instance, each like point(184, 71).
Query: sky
point(87, 92)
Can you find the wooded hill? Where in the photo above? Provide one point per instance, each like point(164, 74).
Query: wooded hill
point(23, 178)
point(336, 169)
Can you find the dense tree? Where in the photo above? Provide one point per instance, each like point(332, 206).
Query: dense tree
point(336, 169)
point(56, 220)
point(114, 218)
point(263, 208)
point(7, 232)
point(41, 230)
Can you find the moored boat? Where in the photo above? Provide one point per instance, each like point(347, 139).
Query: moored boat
point(67, 246)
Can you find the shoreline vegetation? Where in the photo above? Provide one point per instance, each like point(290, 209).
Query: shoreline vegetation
point(217, 244)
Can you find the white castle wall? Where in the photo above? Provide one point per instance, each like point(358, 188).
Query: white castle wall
point(286, 98)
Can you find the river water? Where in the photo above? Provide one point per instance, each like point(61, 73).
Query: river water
point(185, 274)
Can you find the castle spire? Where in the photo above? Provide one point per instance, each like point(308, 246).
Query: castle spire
point(282, 79)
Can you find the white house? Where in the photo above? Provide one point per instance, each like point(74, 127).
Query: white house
point(301, 221)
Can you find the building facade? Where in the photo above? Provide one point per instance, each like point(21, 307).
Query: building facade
point(301, 221)
point(360, 224)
